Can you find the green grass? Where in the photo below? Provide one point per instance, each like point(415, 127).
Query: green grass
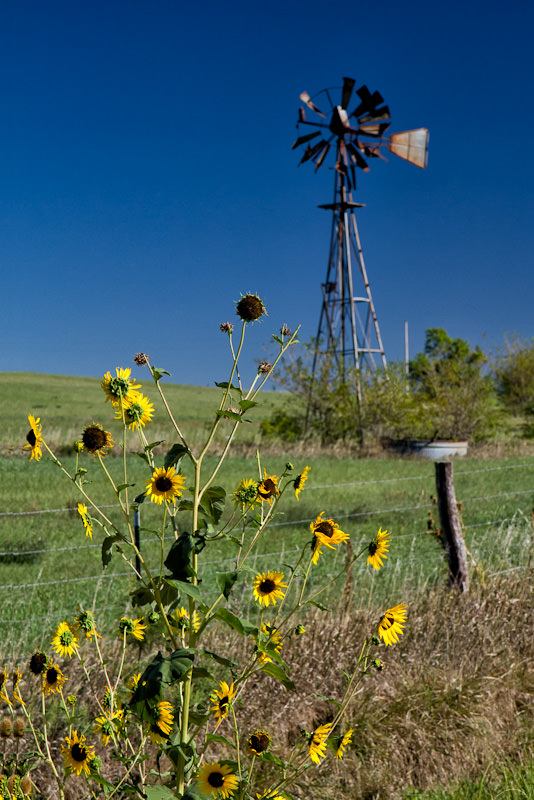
point(507, 781)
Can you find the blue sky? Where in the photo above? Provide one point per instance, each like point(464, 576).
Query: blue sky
point(147, 176)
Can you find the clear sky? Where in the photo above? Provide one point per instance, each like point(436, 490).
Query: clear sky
point(147, 176)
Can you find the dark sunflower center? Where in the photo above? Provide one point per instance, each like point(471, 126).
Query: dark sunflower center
point(373, 547)
point(325, 528)
point(259, 742)
point(250, 308)
point(94, 438)
point(37, 663)
point(2, 681)
point(163, 484)
point(51, 676)
point(78, 752)
point(216, 779)
point(31, 438)
point(267, 488)
point(267, 586)
point(223, 702)
point(388, 621)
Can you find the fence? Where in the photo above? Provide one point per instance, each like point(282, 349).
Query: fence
point(45, 578)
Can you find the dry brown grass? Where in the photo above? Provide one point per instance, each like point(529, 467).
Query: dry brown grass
point(455, 697)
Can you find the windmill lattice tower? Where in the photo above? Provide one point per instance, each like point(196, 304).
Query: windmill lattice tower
point(348, 325)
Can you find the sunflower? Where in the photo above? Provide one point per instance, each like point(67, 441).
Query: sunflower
point(15, 678)
point(317, 748)
point(300, 480)
point(65, 640)
point(221, 699)
point(132, 627)
point(3, 687)
point(53, 680)
point(325, 532)
point(274, 639)
point(87, 524)
point(246, 493)
point(96, 440)
point(85, 622)
point(165, 484)
point(215, 777)
point(268, 587)
point(37, 663)
point(378, 549)
point(34, 438)
point(138, 410)
point(106, 728)
point(259, 742)
point(132, 681)
point(181, 619)
point(392, 623)
point(77, 754)
point(343, 743)
point(250, 308)
point(121, 387)
point(163, 721)
point(268, 488)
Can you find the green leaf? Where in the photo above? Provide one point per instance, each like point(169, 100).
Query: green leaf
point(140, 498)
point(107, 545)
point(278, 340)
point(159, 793)
point(214, 737)
point(213, 501)
point(198, 718)
point(277, 672)
point(178, 560)
point(162, 671)
point(121, 487)
point(225, 385)
point(193, 793)
point(242, 626)
point(318, 605)
point(157, 372)
point(270, 757)
point(202, 672)
point(226, 662)
point(152, 445)
point(229, 415)
point(226, 581)
point(244, 405)
point(175, 455)
point(141, 596)
point(190, 589)
point(141, 455)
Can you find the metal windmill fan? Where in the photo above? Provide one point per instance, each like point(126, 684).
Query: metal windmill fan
point(348, 326)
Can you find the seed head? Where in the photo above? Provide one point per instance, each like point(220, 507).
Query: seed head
point(141, 359)
point(250, 308)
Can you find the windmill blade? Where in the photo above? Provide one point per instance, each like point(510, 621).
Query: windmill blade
point(373, 151)
point(412, 146)
point(374, 130)
point(304, 139)
point(322, 157)
point(357, 158)
point(311, 151)
point(348, 86)
point(302, 115)
point(306, 99)
point(378, 115)
point(369, 101)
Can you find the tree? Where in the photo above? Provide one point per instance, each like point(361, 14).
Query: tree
point(514, 373)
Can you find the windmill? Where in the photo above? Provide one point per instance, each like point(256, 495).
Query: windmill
point(348, 326)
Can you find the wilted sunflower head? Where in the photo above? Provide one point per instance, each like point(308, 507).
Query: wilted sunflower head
point(259, 742)
point(37, 663)
point(268, 487)
point(250, 308)
point(96, 440)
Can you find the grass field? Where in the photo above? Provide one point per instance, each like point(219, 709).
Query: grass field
point(448, 688)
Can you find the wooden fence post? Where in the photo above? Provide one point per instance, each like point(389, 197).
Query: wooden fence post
point(450, 526)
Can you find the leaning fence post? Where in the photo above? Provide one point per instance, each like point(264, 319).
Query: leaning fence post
point(450, 526)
